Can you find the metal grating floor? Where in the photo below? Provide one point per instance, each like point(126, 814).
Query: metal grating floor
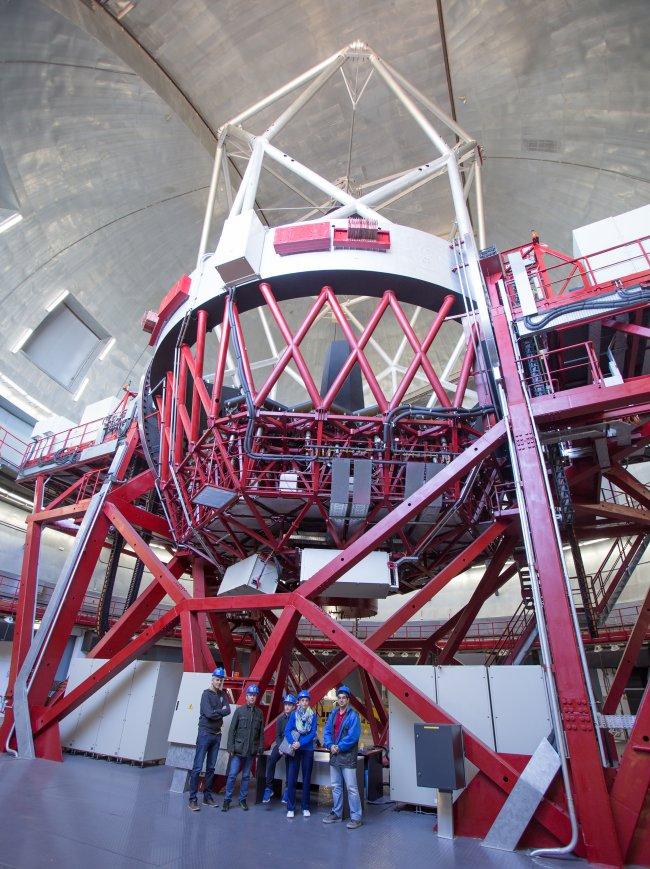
point(91, 813)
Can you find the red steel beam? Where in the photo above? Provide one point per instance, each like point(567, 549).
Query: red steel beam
point(26, 607)
point(629, 484)
point(628, 659)
point(159, 571)
point(280, 640)
point(223, 639)
point(630, 788)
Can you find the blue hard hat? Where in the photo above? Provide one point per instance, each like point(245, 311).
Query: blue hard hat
point(219, 673)
point(290, 699)
point(304, 694)
point(252, 689)
point(343, 689)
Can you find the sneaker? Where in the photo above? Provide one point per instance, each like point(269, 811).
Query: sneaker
point(225, 806)
point(331, 818)
point(208, 800)
point(193, 805)
point(306, 813)
point(244, 805)
point(268, 793)
point(284, 797)
point(354, 825)
point(290, 814)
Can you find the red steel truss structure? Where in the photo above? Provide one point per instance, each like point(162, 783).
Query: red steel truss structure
point(517, 475)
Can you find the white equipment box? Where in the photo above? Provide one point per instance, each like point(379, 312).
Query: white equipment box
point(129, 717)
point(185, 718)
point(610, 232)
point(252, 575)
point(506, 707)
point(370, 578)
point(239, 251)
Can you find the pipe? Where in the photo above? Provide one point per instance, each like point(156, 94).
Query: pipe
point(209, 208)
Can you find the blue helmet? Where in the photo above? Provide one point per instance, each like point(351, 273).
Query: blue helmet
point(343, 689)
point(290, 699)
point(304, 694)
point(219, 673)
point(252, 689)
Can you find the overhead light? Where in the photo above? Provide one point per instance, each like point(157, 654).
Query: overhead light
point(57, 300)
point(20, 343)
point(107, 349)
point(23, 400)
point(82, 386)
point(10, 221)
point(6, 495)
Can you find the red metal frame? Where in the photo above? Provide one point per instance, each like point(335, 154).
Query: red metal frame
point(203, 442)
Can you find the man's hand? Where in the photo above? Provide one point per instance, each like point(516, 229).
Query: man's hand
point(295, 746)
point(334, 749)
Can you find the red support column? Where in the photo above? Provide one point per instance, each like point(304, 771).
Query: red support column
point(26, 608)
point(224, 641)
point(590, 789)
point(630, 789)
point(280, 640)
point(629, 659)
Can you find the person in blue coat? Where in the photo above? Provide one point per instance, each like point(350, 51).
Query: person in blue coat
point(300, 732)
point(341, 739)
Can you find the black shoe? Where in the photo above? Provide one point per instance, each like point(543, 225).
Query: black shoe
point(244, 805)
point(193, 805)
point(208, 800)
point(331, 818)
point(225, 806)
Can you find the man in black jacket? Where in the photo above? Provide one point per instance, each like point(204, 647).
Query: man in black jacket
point(245, 741)
point(272, 759)
point(214, 708)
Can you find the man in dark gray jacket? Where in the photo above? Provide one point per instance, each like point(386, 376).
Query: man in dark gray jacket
point(214, 708)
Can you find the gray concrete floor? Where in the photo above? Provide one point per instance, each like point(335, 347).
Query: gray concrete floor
point(94, 814)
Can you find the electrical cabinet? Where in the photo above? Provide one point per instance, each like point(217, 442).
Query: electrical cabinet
point(127, 718)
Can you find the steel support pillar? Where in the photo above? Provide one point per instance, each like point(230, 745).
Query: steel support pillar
point(587, 774)
point(628, 659)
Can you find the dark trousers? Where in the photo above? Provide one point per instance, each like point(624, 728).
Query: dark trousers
point(271, 763)
point(207, 749)
point(302, 760)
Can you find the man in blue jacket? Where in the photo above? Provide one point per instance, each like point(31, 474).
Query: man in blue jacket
point(341, 738)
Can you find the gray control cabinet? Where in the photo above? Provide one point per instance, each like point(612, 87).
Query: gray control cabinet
point(439, 756)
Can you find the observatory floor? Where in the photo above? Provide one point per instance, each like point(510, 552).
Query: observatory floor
point(96, 814)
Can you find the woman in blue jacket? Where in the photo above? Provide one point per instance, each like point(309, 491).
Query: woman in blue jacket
point(300, 732)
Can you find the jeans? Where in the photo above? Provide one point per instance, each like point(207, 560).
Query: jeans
point(237, 762)
point(339, 775)
point(271, 763)
point(301, 760)
point(207, 745)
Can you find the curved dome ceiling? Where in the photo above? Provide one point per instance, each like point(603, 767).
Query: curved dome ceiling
point(107, 128)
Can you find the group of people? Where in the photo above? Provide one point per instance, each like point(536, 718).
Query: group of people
point(295, 739)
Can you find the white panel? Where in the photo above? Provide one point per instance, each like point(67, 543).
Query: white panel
point(250, 576)
point(519, 707)
point(463, 692)
point(61, 345)
point(611, 232)
point(169, 680)
point(403, 781)
point(239, 251)
point(90, 711)
point(113, 714)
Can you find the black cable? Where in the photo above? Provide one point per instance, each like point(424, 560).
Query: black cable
point(633, 294)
